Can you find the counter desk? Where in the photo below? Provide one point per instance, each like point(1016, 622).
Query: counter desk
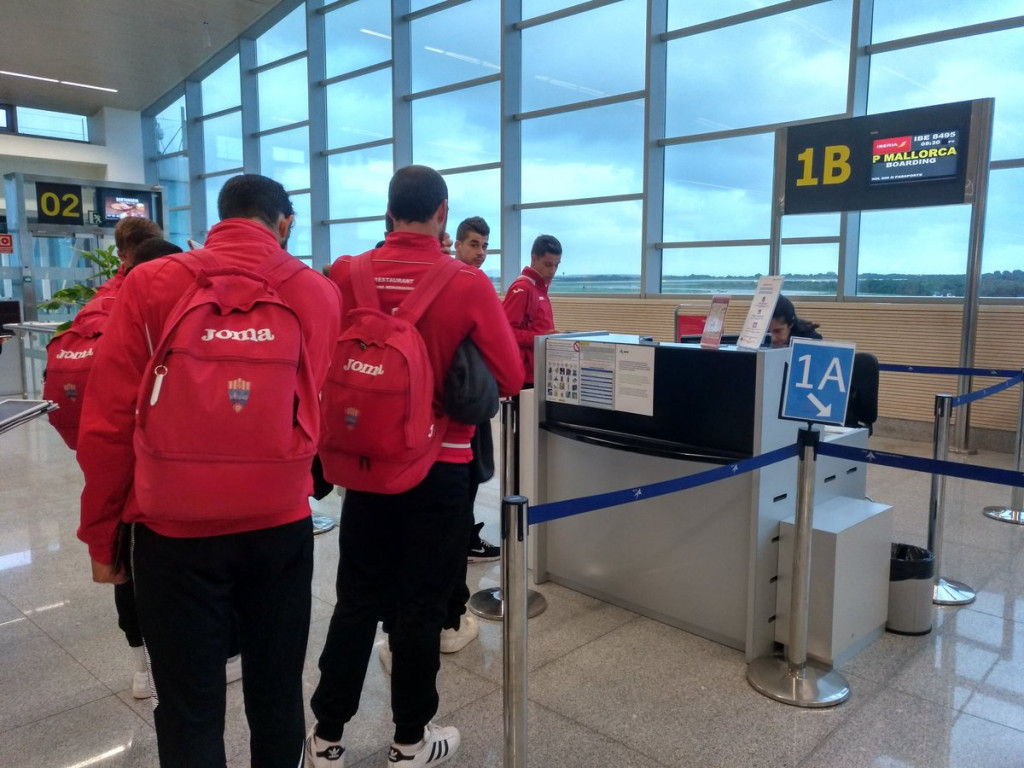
point(706, 559)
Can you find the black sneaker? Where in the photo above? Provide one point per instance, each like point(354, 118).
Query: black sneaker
point(481, 551)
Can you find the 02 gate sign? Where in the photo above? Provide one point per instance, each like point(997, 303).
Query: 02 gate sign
point(818, 381)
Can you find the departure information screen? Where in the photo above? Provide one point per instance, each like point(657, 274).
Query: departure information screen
point(915, 158)
point(911, 158)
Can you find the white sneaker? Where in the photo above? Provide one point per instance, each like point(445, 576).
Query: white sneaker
point(233, 669)
point(385, 655)
point(323, 754)
point(439, 743)
point(453, 640)
point(140, 673)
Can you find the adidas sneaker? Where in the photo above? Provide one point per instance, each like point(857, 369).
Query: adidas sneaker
point(439, 743)
point(323, 754)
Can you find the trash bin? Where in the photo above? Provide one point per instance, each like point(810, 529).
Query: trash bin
point(911, 570)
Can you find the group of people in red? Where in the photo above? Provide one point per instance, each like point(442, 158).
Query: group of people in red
point(223, 562)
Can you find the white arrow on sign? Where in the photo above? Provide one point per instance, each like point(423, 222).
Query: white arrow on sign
point(823, 410)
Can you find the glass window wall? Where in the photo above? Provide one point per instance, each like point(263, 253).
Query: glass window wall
point(563, 66)
point(223, 89)
point(284, 157)
point(285, 38)
point(283, 95)
point(458, 128)
point(722, 89)
point(170, 128)
point(359, 110)
point(586, 153)
point(358, 35)
point(359, 182)
point(222, 143)
point(456, 44)
point(791, 66)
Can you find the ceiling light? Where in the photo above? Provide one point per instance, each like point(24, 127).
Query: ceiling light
point(93, 87)
point(59, 82)
point(29, 77)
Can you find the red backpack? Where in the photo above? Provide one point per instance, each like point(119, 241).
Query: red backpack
point(69, 358)
point(380, 431)
point(226, 418)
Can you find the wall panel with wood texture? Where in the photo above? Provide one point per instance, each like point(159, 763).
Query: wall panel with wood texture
point(912, 334)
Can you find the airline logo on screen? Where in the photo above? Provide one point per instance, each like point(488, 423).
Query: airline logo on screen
point(907, 158)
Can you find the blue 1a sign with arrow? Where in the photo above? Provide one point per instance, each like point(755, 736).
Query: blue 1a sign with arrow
point(818, 381)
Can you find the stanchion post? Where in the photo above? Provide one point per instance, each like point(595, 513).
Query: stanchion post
point(487, 603)
point(515, 674)
point(945, 591)
point(790, 677)
point(1015, 512)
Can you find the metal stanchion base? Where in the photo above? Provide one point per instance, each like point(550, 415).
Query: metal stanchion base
point(1006, 514)
point(487, 603)
point(947, 592)
point(813, 686)
point(322, 524)
point(963, 451)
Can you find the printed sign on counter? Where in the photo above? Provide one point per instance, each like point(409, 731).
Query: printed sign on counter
point(634, 379)
point(715, 323)
point(759, 316)
point(597, 374)
point(600, 374)
point(562, 379)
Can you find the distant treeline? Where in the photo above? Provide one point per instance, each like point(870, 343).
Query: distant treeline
point(993, 284)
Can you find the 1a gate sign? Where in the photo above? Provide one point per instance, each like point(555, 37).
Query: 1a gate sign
point(818, 381)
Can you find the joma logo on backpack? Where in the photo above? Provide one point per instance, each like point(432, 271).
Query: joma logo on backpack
point(249, 334)
point(360, 367)
point(65, 354)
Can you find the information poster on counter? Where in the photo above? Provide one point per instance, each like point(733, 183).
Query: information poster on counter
point(634, 379)
point(562, 380)
point(759, 316)
point(601, 374)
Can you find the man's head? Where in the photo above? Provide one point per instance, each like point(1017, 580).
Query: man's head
point(545, 256)
point(471, 241)
point(251, 196)
point(129, 233)
point(151, 249)
point(418, 200)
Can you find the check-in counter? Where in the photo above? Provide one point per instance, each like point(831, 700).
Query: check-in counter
point(705, 559)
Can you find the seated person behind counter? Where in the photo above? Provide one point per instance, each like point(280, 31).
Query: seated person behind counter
point(785, 324)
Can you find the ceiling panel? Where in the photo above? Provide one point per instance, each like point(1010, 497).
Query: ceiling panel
point(142, 48)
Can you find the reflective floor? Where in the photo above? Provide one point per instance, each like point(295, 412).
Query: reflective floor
point(607, 687)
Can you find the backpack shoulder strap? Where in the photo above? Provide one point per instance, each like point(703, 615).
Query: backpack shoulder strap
point(279, 268)
point(428, 289)
point(363, 284)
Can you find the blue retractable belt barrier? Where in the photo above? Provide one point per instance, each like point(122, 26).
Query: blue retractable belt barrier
point(918, 464)
point(554, 510)
point(900, 368)
point(970, 397)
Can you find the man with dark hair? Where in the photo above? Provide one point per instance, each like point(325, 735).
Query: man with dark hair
point(471, 248)
point(427, 525)
point(526, 303)
point(196, 564)
point(471, 241)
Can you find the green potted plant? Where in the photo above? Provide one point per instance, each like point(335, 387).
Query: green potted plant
point(78, 295)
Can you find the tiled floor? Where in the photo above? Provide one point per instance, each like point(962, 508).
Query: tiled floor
point(607, 687)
